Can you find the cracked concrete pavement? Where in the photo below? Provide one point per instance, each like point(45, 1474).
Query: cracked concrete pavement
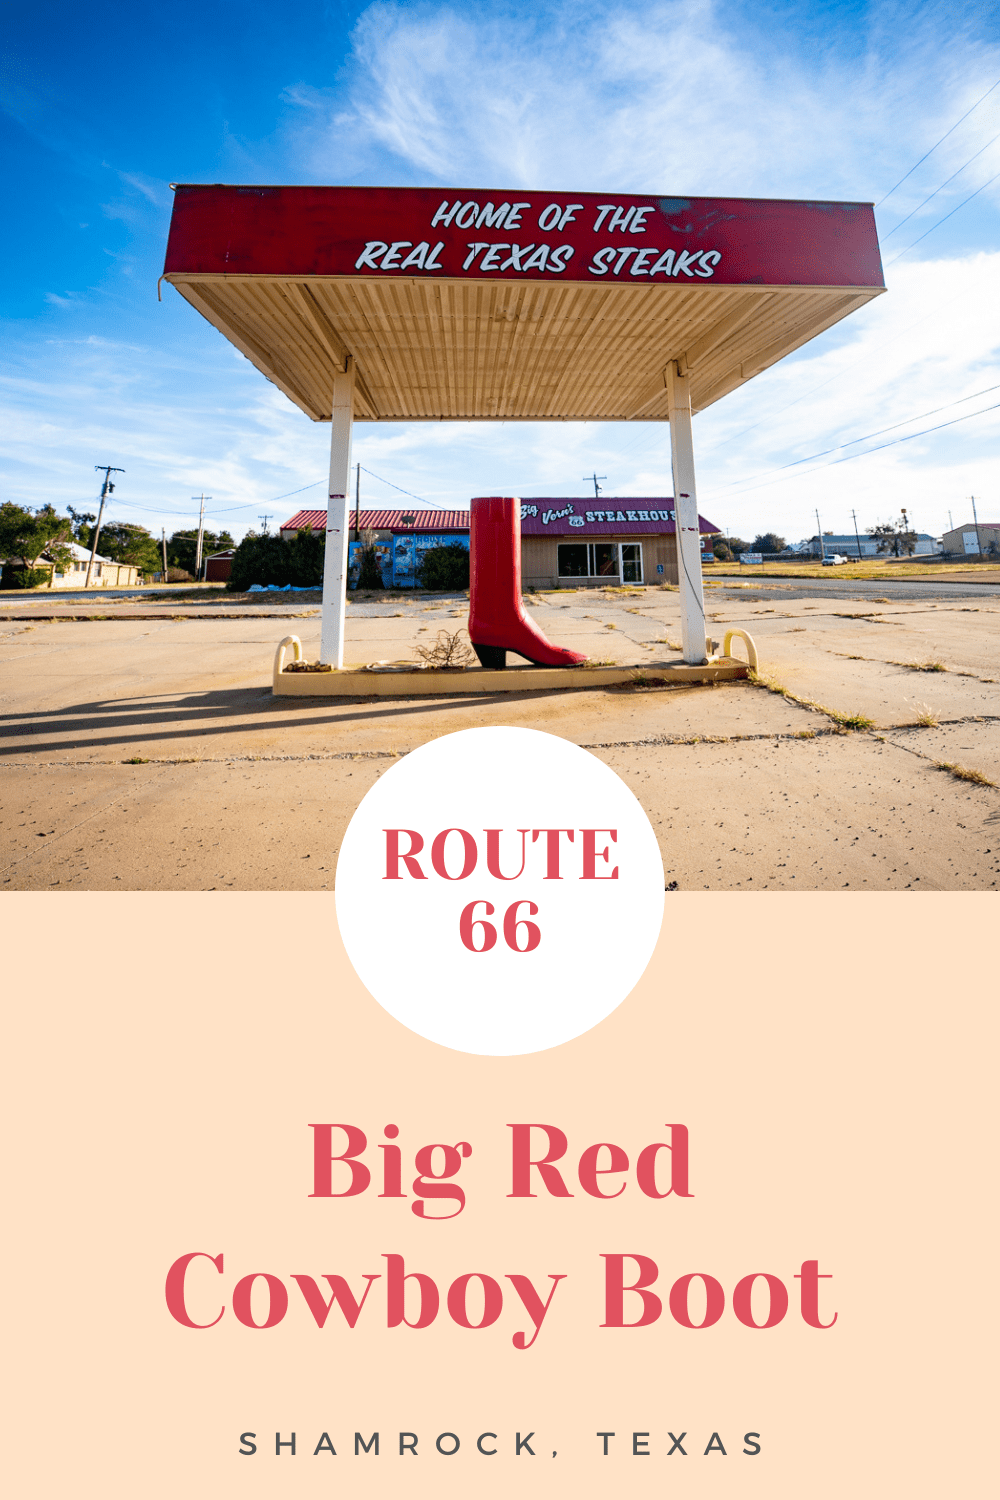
point(149, 754)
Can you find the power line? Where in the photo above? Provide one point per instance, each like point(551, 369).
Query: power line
point(941, 220)
point(918, 417)
point(394, 486)
point(947, 133)
point(837, 375)
point(923, 433)
point(937, 190)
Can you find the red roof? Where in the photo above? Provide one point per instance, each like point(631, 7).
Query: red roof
point(387, 520)
point(458, 520)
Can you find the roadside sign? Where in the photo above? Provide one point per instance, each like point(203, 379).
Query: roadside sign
point(751, 557)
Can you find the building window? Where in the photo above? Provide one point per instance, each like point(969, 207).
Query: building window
point(591, 559)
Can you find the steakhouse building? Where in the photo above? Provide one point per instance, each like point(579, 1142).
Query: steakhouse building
point(572, 542)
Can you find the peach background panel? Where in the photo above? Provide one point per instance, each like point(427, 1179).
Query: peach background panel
point(830, 1054)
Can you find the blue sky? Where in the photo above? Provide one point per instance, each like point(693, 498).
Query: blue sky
point(104, 106)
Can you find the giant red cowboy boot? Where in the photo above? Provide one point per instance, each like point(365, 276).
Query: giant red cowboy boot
point(497, 621)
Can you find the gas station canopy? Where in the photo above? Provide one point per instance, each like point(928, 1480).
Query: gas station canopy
point(467, 304)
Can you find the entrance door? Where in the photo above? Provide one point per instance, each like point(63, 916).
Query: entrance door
point(631, 564)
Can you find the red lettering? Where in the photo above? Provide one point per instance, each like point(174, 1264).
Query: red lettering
point(323, 1159)
point(531, 931)
point(591, 853)
point(715, 1301)
point(534, 1306)
point(433, 1184)
point(493, 853)
point(552, 848)
point(522, 1162)
point(777, 1306)
point(393, 856)
point(468, 922)
point(175, 1288)
point(469, 846)
point(811, 1278)
point(277, 1304)
point(492, 1300)
point(340, 1292)
point(396, 1280)
point(590, 1171)
point(645, 1167)
point(615, 1289)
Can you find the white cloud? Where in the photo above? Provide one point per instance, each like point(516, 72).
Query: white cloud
point(676, 97)
point(690, 97)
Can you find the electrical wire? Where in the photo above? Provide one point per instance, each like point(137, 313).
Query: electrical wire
point(391, 485)
point(947, 133)
point(847, 459)
point(867, 437)
point(942, 220)
point(937, 190)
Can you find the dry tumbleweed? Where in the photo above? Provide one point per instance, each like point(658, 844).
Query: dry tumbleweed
point(448, 650)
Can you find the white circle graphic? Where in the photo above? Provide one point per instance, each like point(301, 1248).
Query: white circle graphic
point(499, 891)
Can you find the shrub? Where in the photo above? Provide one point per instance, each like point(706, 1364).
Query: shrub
point(24, 578)
point(443, 570)
point(272, 560)
point(179, 575)
point(370, 572)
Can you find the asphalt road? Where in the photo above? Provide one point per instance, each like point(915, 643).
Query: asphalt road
point(910, 591)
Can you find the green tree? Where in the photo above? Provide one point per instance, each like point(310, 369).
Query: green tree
point(370, 572)
point(270, 560)
point(768, 541)
point(125, 543)
point(82, 525)
point(445, 569)
point(183, 545)
point(25, 535)
point(897, 539)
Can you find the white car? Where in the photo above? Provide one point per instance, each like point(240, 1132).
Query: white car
point(833, 559)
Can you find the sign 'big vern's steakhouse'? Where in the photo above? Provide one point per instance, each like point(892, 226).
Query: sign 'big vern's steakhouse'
point(417, 232)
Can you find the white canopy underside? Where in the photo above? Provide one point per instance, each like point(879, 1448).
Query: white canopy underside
point(499, 350)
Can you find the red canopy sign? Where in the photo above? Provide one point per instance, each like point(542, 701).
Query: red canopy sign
point(521, 235)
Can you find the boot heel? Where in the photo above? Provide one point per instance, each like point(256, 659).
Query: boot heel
point(491, 656)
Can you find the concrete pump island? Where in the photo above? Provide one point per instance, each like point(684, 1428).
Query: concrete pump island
point(780, 734)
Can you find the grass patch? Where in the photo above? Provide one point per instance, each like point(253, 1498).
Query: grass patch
point(963, 773)
point(804, 734)
point(136, 760)
point(846, 722)
point(922, 666)
point(926, 716)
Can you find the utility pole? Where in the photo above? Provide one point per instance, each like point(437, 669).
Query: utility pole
point(592, 479)
point(163, 538)
point(201, 534)
point(263, 521)
point(857, 538)
point(951, 524)
point(819, 538)
point(357, 505)
point(975, 521)
point(107, 488)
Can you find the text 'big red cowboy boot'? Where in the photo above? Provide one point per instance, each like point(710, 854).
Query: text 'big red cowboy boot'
point(497, 621)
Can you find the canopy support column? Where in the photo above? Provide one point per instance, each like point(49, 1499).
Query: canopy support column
point(686, 518)
point(331, 649)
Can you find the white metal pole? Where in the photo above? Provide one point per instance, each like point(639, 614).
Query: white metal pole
point(331, 649)
point(686, 518)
